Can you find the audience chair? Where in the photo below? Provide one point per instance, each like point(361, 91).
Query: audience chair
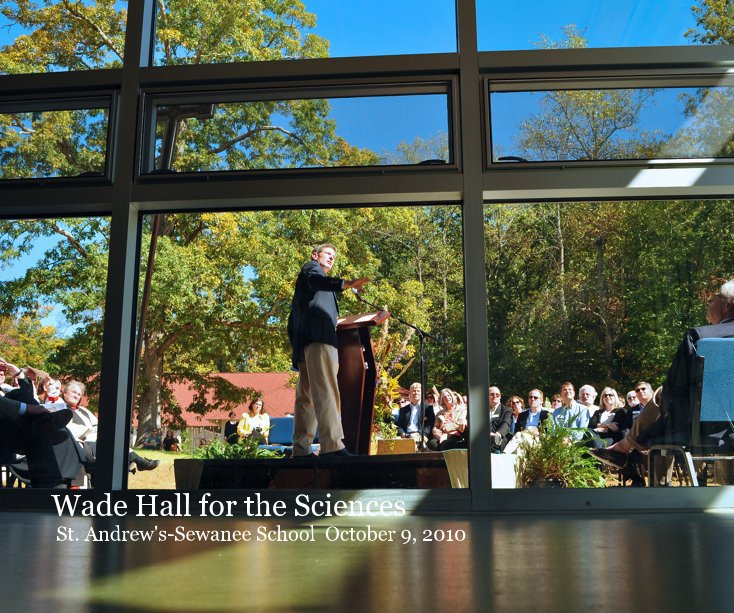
point(713, 406)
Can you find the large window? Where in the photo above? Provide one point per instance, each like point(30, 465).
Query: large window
point(602, 23)
point(53, 274)
point(215, 322)
point(612, 124)
point(598, 294)
point(47, 139)
point(217, 132)
point(243, 31)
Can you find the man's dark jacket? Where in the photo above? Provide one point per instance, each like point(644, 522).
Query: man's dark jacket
point(313, 310)
point(522, 419)
point(429, 419)
point(501, 423)
point(679, 389)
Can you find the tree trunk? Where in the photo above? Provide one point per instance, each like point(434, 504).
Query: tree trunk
point(151, 381)
point(562, 278)
point(603, 310)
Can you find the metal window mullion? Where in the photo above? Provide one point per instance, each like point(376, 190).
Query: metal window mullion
point(475, 289)
point(118, 335)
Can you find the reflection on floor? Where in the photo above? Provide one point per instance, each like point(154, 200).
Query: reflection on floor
point(655, 562)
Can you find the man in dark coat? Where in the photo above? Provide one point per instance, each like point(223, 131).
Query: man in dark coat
point(671, 414)
point(312, 334)
point(27, 428)
point(408, 421)
point(500, 419)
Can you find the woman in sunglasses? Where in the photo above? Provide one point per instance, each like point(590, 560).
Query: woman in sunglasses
point(604, 424)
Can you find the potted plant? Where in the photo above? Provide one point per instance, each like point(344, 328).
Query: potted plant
point(552, 459)
point(245, 449)
point(189, 471)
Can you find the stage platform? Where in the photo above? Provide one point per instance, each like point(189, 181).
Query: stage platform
point(408, 471)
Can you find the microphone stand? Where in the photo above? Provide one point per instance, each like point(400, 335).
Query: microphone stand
point(422, 335)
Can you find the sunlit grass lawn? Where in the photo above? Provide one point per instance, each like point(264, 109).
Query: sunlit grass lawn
point(162, 478)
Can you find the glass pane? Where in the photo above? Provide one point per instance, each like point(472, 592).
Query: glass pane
point(234, 31)
point(216, 337)
point(315, 133)
point(53, 274)
point(612, 124)
point(592, 294)
point(602, 23)
point(52, 36)
point(45, 144)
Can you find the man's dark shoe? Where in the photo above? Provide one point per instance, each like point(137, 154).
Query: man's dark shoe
point(146, 464)
point(615, 459)
point(339, 452)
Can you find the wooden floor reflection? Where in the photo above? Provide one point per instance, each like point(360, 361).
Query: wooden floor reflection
point(653, 562)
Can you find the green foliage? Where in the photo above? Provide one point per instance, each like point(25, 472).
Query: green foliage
point(33, 343)
point(715, 22)
point(244, 450)
point(79, 35)
point(553, 457)
point(587, 124)
point(64, 35)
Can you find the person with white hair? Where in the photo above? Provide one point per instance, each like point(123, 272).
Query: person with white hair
point(670, 413)
point(587, 396)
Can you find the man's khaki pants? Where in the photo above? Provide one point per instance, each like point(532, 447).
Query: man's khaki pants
point(317, 401)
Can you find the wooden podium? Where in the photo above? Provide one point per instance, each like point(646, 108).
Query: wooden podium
point(357, 378)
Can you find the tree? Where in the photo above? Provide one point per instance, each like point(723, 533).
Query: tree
point(26, 341)
point(715, 22)
point(709, 131)
point(220, 305)
point(586, 124)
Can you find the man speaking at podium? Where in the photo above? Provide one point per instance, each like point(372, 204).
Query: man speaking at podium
point(312, 334)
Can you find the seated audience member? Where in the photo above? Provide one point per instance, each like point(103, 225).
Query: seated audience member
point(528, 423)
point(256, 422)
point(171, 442)
point(5, 372)
point(534, 415)
point(26, 428)
point(604, 424)
point(409, 416)
point(635, 402)
point(83, 427)
point(669, 414)
point(587, 396)
point(430, 403)
point(572, 414)
point(517, 407)
point(230, 429)
point(500, 419)
point(556, 402)
point(450, 426)
point(51, 390)
point(152, 440)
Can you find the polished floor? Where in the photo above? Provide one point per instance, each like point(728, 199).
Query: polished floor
point(632, 562)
